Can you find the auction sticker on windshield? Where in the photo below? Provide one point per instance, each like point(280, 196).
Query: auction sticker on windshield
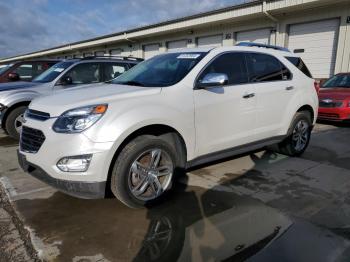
point(188, 56)
point(59, 70)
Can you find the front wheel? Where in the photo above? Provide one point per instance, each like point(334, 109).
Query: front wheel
point(14, 121)
point(143, 171)
point(299, 135)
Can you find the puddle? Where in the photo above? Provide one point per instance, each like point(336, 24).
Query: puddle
point(193, 224)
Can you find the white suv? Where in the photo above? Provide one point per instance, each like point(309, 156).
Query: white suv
point(134, 135)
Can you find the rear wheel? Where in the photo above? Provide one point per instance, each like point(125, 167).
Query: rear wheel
point(14, 121)
point(144, 170)
point(299, 135)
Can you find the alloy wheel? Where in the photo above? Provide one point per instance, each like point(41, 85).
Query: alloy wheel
point(150, 174)
point(301, 135)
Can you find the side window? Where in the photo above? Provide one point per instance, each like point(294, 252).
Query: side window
point(25, 71)
point(85, 73)
point(113, 70)
point(40, 68)
point(298, 62)
point(266, 68)
point(231, 64)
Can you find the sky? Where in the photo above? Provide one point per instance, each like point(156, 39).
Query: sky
point(32, 25)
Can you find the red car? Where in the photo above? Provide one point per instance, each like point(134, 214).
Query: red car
point(334, 98)
point(24, 70)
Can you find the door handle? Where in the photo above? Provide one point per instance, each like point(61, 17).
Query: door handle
point(289, 88)
point(247, 96)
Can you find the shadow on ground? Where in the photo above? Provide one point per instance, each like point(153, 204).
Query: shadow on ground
point(192, 224)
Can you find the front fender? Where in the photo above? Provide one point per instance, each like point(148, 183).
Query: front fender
point(12, 98)
point(117, 129)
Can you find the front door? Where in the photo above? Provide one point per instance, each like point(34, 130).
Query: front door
point(225, 116)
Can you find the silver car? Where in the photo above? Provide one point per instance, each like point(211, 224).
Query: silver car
point(15, 97)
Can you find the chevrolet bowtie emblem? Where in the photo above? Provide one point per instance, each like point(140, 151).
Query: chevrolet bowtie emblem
point(327, 101)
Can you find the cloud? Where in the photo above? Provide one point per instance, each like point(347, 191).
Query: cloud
point(27, 26)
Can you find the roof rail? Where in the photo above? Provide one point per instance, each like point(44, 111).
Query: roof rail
point(251, 44)
point(125, 58)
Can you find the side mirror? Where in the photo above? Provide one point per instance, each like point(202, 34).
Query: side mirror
point(212, 80)
point(13, 77)
point(66, 80)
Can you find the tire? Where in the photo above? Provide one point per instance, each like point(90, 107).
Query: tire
point(290, 145)
point(11, 124)
point(133, 171)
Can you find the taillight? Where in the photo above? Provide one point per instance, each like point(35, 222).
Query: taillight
point(317, 87)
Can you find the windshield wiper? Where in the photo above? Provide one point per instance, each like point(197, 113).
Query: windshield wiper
point(131, 83)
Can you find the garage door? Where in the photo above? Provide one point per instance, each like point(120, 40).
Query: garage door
point(261, 36)
point(99, 53)
point(150, 50)
point(115, 51)
point(174, 45)
point(317, 44)
point(209, 41)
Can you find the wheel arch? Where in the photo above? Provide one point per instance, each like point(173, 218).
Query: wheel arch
point(309, 109)
point(167, 133)
point(10, 109)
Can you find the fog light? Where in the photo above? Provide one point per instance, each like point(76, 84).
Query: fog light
point(74, 163)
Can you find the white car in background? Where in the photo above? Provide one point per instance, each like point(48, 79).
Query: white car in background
point(176, 110)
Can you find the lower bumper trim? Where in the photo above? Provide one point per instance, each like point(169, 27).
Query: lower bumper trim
point(85, 190)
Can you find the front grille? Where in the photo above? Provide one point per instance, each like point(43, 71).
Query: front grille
point(31, 139)
point(37, 115)
point(328, 115)
point(331, 104)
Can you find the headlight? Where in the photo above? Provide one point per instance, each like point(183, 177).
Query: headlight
point(79, 119)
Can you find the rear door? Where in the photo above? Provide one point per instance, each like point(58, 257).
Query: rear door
point(225, 116)
point(274, 89)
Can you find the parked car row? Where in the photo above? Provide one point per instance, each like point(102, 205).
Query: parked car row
point(135, 126)
point(133, 135)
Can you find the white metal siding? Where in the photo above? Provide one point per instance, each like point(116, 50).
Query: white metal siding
point(99, 53)
point(150, 50)
point(319, 41)
point(179, 44)
point(115, 51)
point(261, 36)
point(209, 41)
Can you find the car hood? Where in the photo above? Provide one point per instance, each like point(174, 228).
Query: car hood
point(59, 102)
point(16, 85)
point(335, 93)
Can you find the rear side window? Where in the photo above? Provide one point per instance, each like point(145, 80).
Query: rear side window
point(266, 68)
point(113, 70)
point(231, 64)
point(298, 62)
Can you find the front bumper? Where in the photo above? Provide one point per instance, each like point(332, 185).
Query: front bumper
point(87, 190)
point(334, 114)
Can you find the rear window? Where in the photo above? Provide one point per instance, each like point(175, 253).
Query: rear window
point(298, 62)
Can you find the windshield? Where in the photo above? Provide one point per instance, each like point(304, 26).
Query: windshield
point(338, 81)
point(53, 72)
point(3, 68)
point(160, 71)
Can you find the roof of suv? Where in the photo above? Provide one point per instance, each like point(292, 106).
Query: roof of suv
point(269, 49)
point(107, 58)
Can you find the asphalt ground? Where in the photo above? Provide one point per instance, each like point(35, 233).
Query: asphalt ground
point(252, 207)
